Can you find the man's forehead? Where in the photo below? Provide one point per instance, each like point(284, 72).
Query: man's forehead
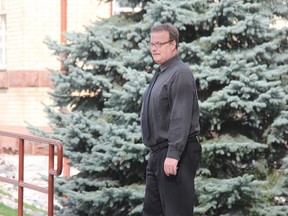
point(158, 34)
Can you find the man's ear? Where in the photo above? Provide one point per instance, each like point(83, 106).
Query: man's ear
point(174, 45)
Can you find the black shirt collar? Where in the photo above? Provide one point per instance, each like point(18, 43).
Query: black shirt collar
point(164, 66)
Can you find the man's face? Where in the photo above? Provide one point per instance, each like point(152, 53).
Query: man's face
point(161, 50)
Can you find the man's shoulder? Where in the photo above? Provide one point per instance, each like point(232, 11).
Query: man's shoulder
point(182, 72)
point(181, 67)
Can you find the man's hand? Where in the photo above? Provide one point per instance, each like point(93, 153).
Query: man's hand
point(170, 166)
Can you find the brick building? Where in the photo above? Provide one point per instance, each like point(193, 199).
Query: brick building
point(25, 59)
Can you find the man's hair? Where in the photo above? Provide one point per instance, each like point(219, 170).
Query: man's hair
point(171, 29)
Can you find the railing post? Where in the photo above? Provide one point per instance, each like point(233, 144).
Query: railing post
point(51, 172)
point(20, 176)
point(51, 182)
point(66, 167)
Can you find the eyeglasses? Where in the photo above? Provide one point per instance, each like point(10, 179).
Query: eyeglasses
point(159, 44)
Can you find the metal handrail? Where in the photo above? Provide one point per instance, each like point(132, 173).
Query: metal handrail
point(51, 171)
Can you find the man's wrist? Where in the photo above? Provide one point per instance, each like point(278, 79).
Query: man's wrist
point(173, 153)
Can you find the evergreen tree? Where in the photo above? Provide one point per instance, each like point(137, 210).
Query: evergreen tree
point(240, 63)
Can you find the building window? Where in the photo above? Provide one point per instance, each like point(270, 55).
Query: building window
point(124, 7)
point(2, 34)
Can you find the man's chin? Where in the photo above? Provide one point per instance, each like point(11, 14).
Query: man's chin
point(158, 61)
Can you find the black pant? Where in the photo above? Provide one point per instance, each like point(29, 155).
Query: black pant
point(171, 195)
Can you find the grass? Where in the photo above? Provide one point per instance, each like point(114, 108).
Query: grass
point(33, 208)
point(5, 193)
point(7, 211)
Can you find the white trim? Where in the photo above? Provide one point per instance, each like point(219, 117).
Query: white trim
point(3, 41)
point(3, 35)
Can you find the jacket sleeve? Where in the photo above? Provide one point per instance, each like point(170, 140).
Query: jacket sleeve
point(181, 96)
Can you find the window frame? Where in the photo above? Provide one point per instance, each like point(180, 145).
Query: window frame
point(3, 35)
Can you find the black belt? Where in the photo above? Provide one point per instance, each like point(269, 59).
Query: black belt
point(165, 143)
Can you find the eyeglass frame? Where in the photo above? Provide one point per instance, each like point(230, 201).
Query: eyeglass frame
point(159, 44)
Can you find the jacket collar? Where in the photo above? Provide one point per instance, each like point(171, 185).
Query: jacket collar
point(164, 66)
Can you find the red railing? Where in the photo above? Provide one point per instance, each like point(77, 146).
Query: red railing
point(51, 171)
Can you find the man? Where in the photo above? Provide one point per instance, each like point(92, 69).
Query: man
point(170, 125)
